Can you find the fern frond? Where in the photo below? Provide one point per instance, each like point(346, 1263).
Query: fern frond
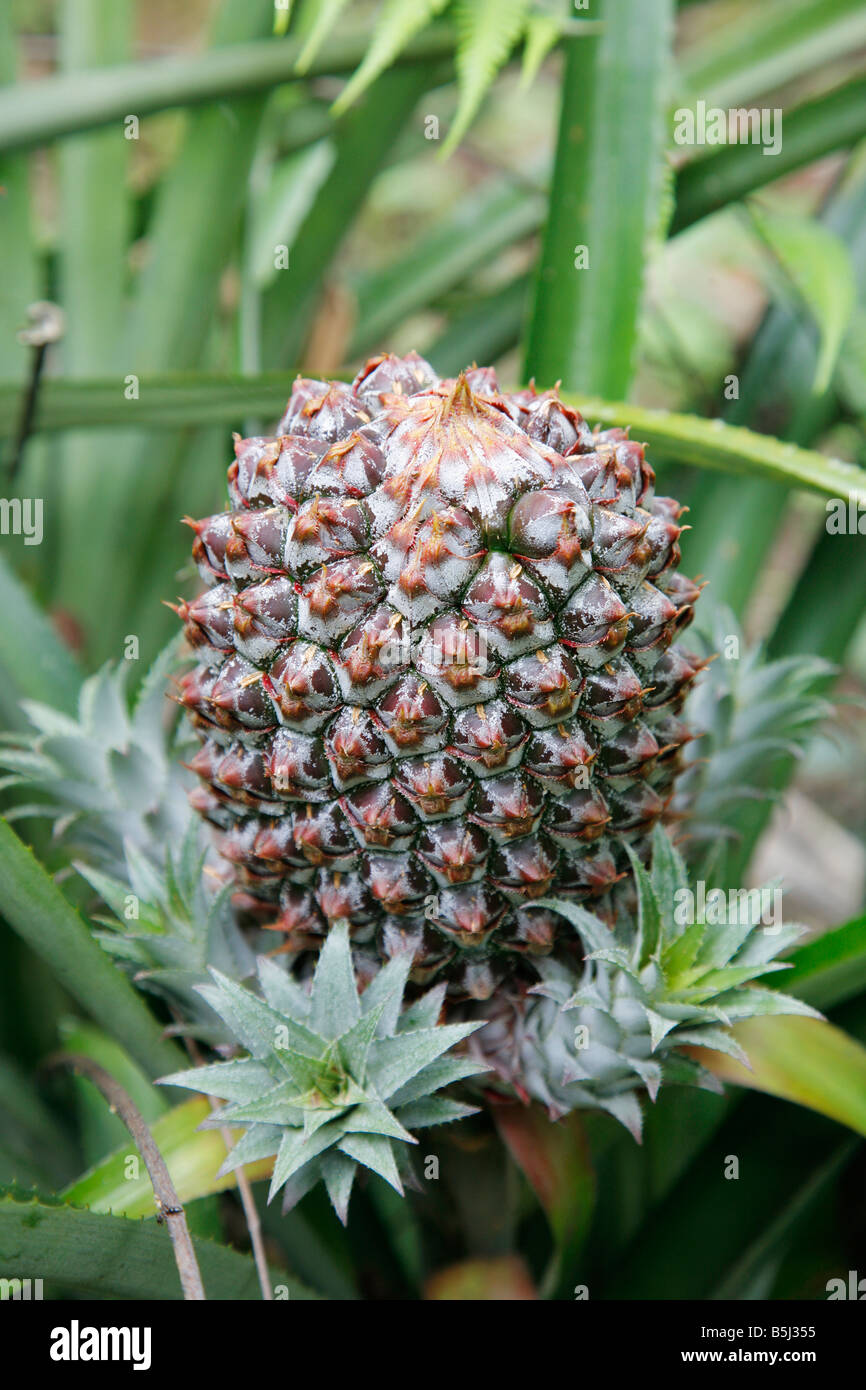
point(398, 22)
point(487, 31)
point(324, 16)
point(543, 32)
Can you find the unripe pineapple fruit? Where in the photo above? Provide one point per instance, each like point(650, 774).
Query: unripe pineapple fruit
point(437, 677)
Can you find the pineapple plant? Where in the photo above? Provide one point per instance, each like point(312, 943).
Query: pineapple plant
point(438, 697)
point(400, 898)
point(435, 751)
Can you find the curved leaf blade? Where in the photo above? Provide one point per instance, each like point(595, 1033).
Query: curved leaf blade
point(36, 112)
point(194, 1158)
point(35, 907)
point(172, 400)
point(818, 264)
point(831, 968)
point(556, 1162)
point(728, 448)
point(805, 1060)
point(606, 199)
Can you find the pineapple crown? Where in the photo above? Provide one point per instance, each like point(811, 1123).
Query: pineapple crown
point(676, 977)
point(333, 1080)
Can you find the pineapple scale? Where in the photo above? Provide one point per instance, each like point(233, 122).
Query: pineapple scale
point(437, 676)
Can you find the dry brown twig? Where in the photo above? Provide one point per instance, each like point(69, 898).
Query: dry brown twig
point(168, 1204)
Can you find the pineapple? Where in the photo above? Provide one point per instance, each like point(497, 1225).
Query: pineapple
point(437, 678)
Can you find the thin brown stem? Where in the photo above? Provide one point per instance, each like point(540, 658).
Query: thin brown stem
point(254, 1225)
point(168, 1204)
point(251, 1215)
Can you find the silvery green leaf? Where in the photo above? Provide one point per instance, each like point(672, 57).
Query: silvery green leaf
point(722, 942)
point(102, 707)
point(386, 990)
point(587, 997)
point(148, 714)
point(649, 917)
point(354, 1046)
point(751, 1001)
point(667, 872)
point(335, 1004)
point(282, 992)
point(375, 1153)
point(134, 778)
point(262, 1030)
point(375, 1118)
point(243, 1079)
point(300, 1183)
point(261, 1141)
point(685, 1071)
point(145, 879)
point(395, 1060)
point(296, 1150)
point(626, 1109)
point(35, 767)
point(279, 1105)
point(338, 1173)
point(659, 1026)
point(117, 895)
point(443, 1072)
point(617, 957)
point(557, 980)
point(435, 1110)
point(315, 1119)
point(650, 1074)
point(729, 977)
point(717, 1039)
point(767, 942)
point(691, 1013)
point(51, 722)
point(423, 1012)
point(593, 931)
